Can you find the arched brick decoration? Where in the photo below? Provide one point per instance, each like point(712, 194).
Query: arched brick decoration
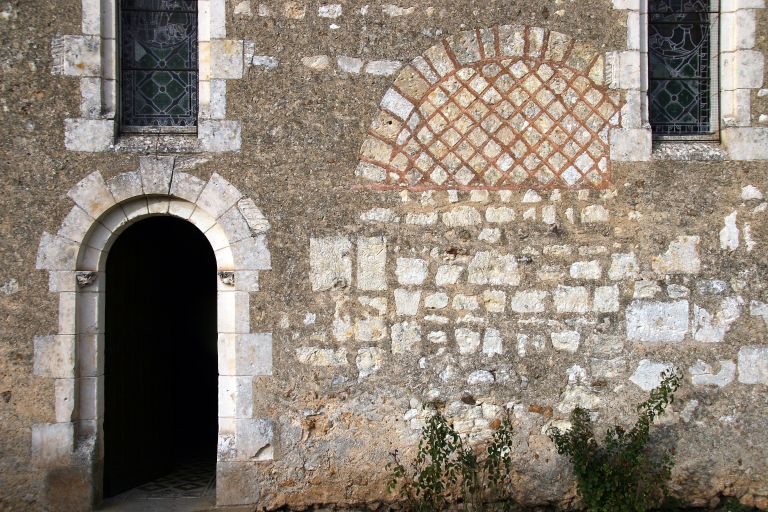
point(499, 108)
point(75, 258)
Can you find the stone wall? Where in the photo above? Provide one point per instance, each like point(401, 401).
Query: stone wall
point(524, 284)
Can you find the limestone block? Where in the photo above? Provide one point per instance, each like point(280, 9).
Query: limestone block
point(371, 329)
point(89, 391)
point(88, 135)
point(76, 55)
point(462, 216)
point(438, 337)
point(90, 313)
point(329, 10)
point(226, 59)
point(571, 299)
point(186, 186)
point(125, 186)
point(75, 225)
point(753, 365)
point(421, 219)
point(55, 356)
point(594, 213)
point(52, 444)
point(512, 40)
point(406, 337)
point(682, 257)
point(606, 299)
point(646, 289)
point(653, 321)
point(738, 30)
point(330, 263)
point(480, 377)
point(586, 270)
point(499, 215)
point(349, 64)
point(529, 301)
point(448, 274)
point(462, 302)
point(236, 483)
point(493, 343)
point(90, 98)
point(557, 47)
point(369, 361)
point(467, 340)
point(494, 301)
point(266, 61)
point(234, 226)
point(218, 196)
point(382, 215)
point(407, 302)
point(394, 102)
point(254, 439)
point(491, 267)
point(217, 135)
point(703, 374)
point(294, 10)
point(425, 69)
point(745, 69)
point(56, 253)
point(436, 301)
point(465, 47)
point(411, 271)
point(710, 328)
point(316, 62)
point(233, 312)
point(156, 173)
point(648, 374)
point(566, 341)
point(371, 263)
point(394, 11)
point(316, 356)
point(440, 60)
point(253, 354)
point(746, 143)
point(92, 195)
point(623, 266)
point(383, 67)
point(631, 144)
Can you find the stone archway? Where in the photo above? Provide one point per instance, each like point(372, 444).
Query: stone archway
point(75, 257)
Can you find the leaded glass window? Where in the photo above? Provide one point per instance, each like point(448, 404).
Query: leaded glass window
point(158, 64)
point(682, 54)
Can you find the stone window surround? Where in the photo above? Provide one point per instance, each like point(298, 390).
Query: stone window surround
point(94, 55)
point(741, 71)
point(73, 359)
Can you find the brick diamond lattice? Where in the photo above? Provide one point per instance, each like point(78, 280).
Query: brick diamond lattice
point(494, 124)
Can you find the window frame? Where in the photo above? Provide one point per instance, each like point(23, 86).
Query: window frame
point(713, 134)
point(128, 129)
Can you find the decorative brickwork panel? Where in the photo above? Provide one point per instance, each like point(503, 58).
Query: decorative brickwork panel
point(503, 108)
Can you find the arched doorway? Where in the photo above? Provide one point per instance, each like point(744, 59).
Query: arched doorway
point(160, 375)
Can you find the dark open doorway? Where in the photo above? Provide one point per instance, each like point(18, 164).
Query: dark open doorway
point(160, 376)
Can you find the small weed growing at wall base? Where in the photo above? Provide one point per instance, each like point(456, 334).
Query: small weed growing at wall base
point(445, 470)
point(619, 475)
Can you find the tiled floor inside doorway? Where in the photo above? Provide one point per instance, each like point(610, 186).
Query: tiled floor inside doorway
point(190, 488)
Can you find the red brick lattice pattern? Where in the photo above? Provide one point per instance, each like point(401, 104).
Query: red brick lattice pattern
point(497, 123)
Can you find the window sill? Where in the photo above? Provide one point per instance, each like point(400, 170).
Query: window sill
point(161, 143)
point(688, 151)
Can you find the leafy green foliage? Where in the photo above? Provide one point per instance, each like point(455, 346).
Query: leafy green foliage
point(619, 475)
point(445, 470)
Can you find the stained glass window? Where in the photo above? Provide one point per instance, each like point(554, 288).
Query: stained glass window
point(158, 66)
point(681, 71)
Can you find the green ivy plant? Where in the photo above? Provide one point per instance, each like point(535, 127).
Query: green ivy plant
point(446, 470)
point(621, 474)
